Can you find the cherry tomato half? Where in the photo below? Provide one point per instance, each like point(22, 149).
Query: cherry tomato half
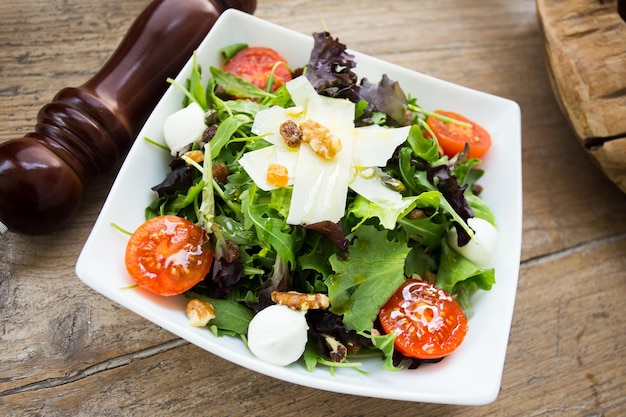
point(452, 137)
point(255, 63)
point(428, 322)
point(167, 255)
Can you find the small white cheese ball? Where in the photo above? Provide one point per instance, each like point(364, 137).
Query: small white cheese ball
point(278, 335)
point(184, 127)
point(482, 248)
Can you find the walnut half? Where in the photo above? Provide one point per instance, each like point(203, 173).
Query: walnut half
point(320, 139)
point(300, 301)
point(199, 312)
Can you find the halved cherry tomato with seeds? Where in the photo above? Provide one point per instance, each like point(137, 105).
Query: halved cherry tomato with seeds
point(255, 64)
point(427, 321)
point(452, 137)
point(168, 255)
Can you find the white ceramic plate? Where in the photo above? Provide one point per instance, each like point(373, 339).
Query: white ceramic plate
point(472, 374)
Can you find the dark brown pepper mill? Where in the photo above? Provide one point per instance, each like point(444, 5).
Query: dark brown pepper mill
point(84, 131)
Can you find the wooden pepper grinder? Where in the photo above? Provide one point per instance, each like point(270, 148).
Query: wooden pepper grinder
point(84, 131)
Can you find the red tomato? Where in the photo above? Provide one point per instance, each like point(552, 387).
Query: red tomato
point(167, 255)
point(254, 64)
point(452, 137)
point(428, 322)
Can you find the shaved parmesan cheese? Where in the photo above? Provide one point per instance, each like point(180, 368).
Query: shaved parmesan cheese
point(374, 145)
point(267, 123)
point(301, 91)
point(320, 188)
point(257, 163)
point(321, 179)
point(373, 188)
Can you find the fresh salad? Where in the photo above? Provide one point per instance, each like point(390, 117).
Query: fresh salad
point(317, 215)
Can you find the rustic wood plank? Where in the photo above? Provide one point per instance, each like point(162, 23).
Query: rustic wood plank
point(66, 350)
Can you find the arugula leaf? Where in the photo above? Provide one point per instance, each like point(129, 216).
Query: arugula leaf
point(310, 355)
point(194, 90)
point(236, 86)
point(224, 134)
point(271, 231)
point(316, 258)
point(363, 283)
point(231, 317)
point(384, 343)
point(231, 50)
point(421, 260)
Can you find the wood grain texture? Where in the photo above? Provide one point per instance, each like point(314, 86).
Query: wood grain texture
point(585, 43)
point(66, 350)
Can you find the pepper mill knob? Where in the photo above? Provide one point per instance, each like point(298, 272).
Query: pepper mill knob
point(84, 131)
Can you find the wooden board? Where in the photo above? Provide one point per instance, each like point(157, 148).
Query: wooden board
point(585, 43)
point(66, 350)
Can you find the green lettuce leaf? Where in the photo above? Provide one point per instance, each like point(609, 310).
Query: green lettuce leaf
point(236, 86)
point(272, 232)
point(388, 216)
point(461, 278)
point(363, 283)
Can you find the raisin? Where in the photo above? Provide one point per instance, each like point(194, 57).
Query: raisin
point(220, 172)
point(231, 252)
point(291, 133)
point(209, 132)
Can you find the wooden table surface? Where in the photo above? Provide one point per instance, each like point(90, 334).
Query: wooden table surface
point(67, 350)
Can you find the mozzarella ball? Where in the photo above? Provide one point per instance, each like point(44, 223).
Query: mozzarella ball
point(183, 128)
point(278, 335)
point(481, 249)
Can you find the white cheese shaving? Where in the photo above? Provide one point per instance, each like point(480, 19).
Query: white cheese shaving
point(373, 188)
point(256, 164)
point(374, 145)
point(320, 186)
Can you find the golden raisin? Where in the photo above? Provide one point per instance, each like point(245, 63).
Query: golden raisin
point(220, 172)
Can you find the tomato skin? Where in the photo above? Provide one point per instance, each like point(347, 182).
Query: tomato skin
point(453, 137)
point(428, 322)
point(168, 255)
point(254, 64)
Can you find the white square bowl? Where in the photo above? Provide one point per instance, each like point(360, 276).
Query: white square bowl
point(472, 374)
